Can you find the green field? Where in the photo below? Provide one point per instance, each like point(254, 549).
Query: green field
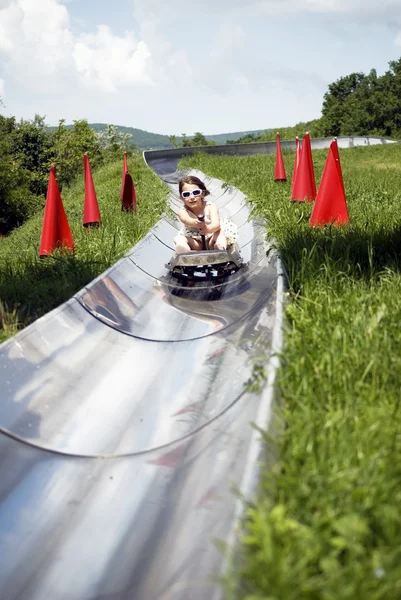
point(30, 286)
point(327, 522)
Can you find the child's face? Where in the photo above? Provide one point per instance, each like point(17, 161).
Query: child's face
point(192, 201)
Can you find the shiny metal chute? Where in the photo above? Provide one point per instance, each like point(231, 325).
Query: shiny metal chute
point(125, 420)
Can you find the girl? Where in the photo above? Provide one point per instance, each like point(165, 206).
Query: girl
point(219, 233)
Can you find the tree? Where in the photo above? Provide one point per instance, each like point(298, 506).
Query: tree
point(32, 149)
point(17, 202)
point(113, 141)
point(69, 146)
point(199, 139)
point(336, 103)
point(173, 141)
point(359, 104)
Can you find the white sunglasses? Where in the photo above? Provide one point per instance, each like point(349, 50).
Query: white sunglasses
point(187, 194)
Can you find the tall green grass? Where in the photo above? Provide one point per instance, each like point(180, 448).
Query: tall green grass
point(326, 524)
point(30, 286)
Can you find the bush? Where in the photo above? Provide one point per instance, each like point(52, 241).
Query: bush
point(17, 202)
point(69, 146)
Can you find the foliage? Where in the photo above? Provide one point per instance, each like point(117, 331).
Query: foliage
point(17, 202)
point(327, 521)
point(198, 140)
point(69, 146)
point(27, 150)
point(286, 133)
point(361, 104)
point(114, 142)
point(32, 149)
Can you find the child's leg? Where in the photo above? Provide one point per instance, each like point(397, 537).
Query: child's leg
point(183, 243)
point(218, 241)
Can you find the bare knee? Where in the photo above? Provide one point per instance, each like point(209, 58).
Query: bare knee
point(221, 242)
point(181, 244)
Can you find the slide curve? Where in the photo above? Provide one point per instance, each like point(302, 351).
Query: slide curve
point(125, 417)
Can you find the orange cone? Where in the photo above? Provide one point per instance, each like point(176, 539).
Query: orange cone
point(331, 205)
point(125, 169)
point(310, 162)
point(279, 174)
point(129, 195)
point(56, 231)
point(91, 207)
point(334, 147)
point(296, 163)
point(305, 186)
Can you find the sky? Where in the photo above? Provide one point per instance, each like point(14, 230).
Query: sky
point(181, 66)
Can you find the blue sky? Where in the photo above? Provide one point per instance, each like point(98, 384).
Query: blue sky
point(180, 66)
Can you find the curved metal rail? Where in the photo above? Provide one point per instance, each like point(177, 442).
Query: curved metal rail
point(124, 421)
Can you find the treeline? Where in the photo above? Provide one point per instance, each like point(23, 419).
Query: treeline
point(184, 142)
point(27, 150)
point(356, 104)
point(286, 133)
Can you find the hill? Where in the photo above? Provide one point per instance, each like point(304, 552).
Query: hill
point(145, 140)
point(223, 138)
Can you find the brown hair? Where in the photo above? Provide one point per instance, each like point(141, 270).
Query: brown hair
point(192, 180)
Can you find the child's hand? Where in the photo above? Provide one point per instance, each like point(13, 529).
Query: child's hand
point(201, 226)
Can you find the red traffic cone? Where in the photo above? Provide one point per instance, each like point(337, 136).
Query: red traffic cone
point(53, 168)
point(129, 194)
point(56, 231)
point(334, 147)
point(331, 205)
point(91, 207)
point(125, 170)
point(304, 185)
point(279, 174)
point(296, 162)
point(310, 162)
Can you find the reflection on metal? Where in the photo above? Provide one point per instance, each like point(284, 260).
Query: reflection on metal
point(124, 421)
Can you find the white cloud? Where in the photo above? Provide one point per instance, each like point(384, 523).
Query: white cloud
point(37, 42)
point(236, 60)
point(230, 40)
point(9, 18)
point(109, 61)
point(1, 87)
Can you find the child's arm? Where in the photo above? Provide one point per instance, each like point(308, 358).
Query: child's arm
point(187, 220)
point(214, 224)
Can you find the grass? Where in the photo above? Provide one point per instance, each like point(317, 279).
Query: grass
point(326, 524)
point(30, 286)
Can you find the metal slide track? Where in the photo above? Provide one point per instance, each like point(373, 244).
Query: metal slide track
point(125, 422)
